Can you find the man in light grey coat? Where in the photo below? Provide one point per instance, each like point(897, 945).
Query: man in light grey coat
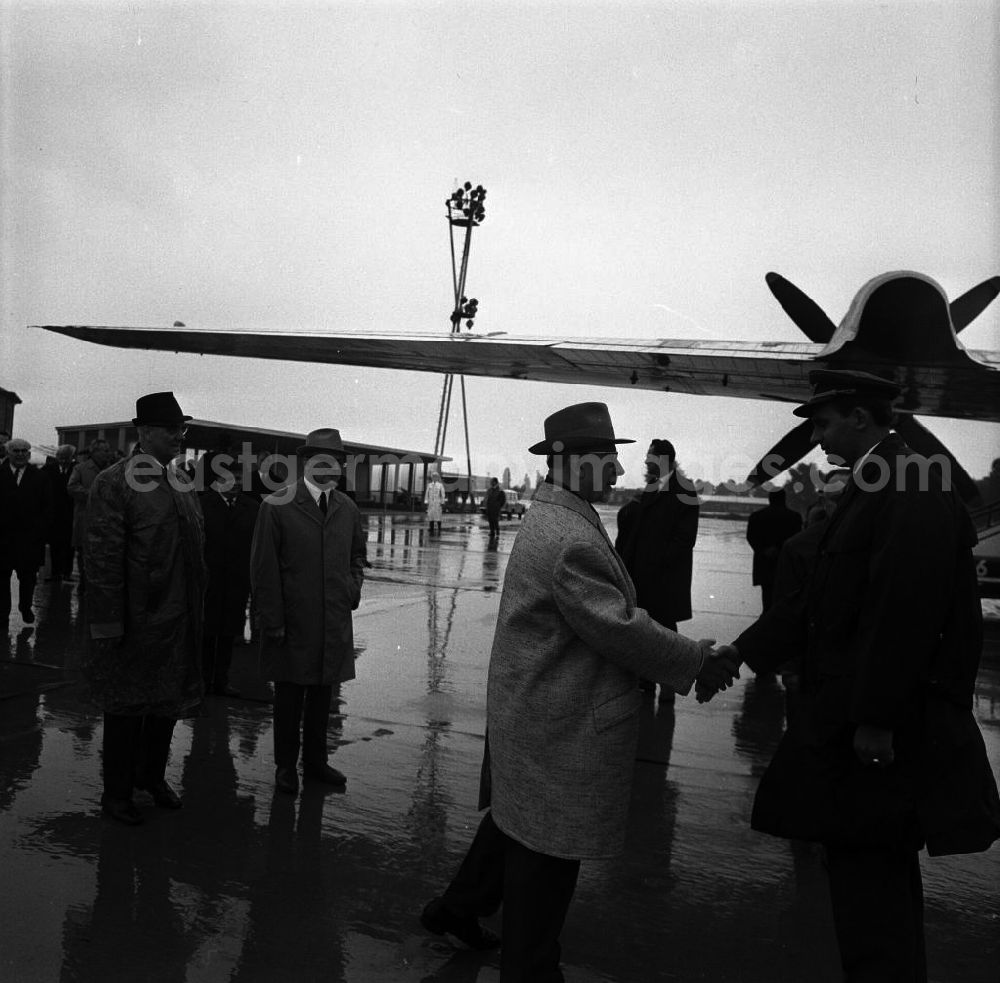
point(307, 567)
point(563, 706)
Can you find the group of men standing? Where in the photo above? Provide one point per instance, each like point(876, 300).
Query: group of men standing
point(882, 758)
point(40, 506)
point(169, 572)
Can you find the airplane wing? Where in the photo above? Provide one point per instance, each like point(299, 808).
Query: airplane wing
point(964, 388)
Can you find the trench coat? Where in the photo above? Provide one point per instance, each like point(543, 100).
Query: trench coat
point(307, 570)
point(889, 629)
point(228, 535)
point(434, 498)
point(656, 537)
point(563, 694)
point(145, 588)
point(25, 517)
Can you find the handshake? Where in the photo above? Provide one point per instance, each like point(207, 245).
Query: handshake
point(719, 671)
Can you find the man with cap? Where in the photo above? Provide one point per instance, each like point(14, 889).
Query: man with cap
point(145, 588)
point(25, 521)
point(883, 755)
point(563, 706)
point(307, 567)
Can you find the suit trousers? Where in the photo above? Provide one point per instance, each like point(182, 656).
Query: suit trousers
point(27, 578)
point(61, 552)
point(878, 913)
point(535, 890)
point(135, 752)
point(493, 518)
point(216, 658)
point(306, 710)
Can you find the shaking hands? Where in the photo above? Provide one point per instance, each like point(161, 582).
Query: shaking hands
point(720, 670)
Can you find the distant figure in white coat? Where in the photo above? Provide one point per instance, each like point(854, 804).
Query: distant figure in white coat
point(434, 500)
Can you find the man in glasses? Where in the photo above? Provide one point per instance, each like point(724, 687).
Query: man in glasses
point(145, 588)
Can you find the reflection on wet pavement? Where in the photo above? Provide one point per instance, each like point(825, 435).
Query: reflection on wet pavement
point(246, 885)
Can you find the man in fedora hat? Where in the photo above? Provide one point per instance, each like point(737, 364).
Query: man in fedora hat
point(563, 706)
point(307, 568)
point(145, 588)
point(883, 754)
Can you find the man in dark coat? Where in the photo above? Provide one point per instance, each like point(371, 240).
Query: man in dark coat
point(58, 471)
point(146, 586)
point(767, 530)
point(495, 500)
point(885, 755)
point(229, 517)
point(307, 567)
point(25, 520)
point(656, 537)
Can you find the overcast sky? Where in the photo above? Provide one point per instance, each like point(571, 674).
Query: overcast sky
point(286, 166)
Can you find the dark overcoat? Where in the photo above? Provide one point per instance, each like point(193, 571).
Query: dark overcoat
point(307, 570)
point(656, 537)
point(62, 502)
point(767, 530)
point(495, 500)
point(563, 696)
point(889, 628)
point(228, 536)
point(25, 517)
point(145, 588)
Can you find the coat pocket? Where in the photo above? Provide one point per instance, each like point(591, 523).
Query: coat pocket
point(618, 709)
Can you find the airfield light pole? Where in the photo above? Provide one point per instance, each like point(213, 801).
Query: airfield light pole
point(465, 210)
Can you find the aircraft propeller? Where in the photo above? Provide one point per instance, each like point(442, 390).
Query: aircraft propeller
point(810, 318)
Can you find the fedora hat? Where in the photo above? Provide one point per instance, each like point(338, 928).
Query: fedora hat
point(580, 427)
point(158, 410)
point(323, 441)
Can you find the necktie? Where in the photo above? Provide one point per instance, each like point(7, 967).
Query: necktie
point(322, 502)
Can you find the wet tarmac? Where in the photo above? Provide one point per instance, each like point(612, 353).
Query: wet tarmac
point(244, 884)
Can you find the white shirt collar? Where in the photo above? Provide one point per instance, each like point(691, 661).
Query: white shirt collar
point(315, 489)
point(665, 480)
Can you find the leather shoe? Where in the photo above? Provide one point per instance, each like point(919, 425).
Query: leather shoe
point(439, 919)
point(326, 773)
point(226, 691)
point(123, 811)
point(163, 795)
point(286, 780)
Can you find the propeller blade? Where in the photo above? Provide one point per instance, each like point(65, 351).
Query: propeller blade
point(924, 442)
point(806, 313)
point(788, 451)
point(972, 303)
